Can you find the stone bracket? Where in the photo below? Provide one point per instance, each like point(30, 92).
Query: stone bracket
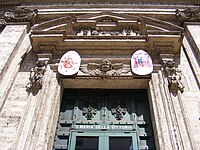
point(172, 73)
point(36, 75)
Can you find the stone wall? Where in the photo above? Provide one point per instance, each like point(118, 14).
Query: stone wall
point(28, 118)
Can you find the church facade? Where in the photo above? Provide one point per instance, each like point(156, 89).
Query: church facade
point(100, 75)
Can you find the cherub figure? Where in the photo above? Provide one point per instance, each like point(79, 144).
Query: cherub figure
point(173, 76)
point(36, 75)
point(105, 68)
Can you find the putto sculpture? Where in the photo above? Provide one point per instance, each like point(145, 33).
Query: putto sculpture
point(36, 75)
point(173, 75)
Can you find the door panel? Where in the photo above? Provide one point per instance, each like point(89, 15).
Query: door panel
point(102, 111)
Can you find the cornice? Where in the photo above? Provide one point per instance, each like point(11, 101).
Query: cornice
point(169, 2)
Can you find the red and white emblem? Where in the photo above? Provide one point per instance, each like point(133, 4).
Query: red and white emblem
point(69, 63)
point(141, 63)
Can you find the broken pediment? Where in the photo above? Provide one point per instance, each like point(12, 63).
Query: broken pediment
point(107, 31)
point(105, 22)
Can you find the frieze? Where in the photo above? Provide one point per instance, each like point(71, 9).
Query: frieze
point(21, 15)
point(36, 75)
point(188, 15)
point(105, 69)
point(173, 75)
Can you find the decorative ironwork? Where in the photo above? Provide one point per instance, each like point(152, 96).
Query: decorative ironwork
point(188, 15)
point(36, 75)
point(89, 109)
point(21, 15)
point(118, 109)
point(105, 69)
point(173, 75)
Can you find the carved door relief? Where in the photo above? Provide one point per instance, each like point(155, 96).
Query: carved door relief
point(119, 109)
point(104, 107)
point(109, 112)
point(89, 109)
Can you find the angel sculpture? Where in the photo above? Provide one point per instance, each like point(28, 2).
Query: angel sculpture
point(105, 69)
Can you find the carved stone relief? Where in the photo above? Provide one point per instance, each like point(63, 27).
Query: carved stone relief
point(2, 23)
point(118, 109)
point(89, 109)
point(188, 15)
point(21, 15)
point(36, 75)
point(105, 69)
point(96, 31)
point(173, 75)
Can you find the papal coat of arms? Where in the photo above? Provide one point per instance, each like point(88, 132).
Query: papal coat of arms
point(141, 63)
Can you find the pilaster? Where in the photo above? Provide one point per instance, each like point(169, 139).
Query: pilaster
point(191, 44)
point(12, 41)
point(37, 126)
point(159, 112)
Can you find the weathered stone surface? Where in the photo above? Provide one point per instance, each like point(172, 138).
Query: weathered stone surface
point(13, 110)
point(193, 35)
point(191, 111)
point(10, 40)
point(10, 64)
point(28, 120)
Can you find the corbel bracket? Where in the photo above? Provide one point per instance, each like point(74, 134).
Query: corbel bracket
point(172, 73)
point(36, 75)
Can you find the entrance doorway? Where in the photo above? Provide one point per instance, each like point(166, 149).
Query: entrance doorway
point(94, 119)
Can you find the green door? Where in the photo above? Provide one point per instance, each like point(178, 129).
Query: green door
point(93, 119)
point(103, 141)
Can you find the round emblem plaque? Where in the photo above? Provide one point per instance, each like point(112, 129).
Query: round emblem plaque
point(69, 63)
point(141, 63)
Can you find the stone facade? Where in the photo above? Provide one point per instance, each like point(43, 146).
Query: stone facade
point(34, 37)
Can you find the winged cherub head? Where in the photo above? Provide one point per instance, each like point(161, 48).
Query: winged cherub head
point(105, 65)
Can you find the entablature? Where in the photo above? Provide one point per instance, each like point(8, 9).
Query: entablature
point(106, 33)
